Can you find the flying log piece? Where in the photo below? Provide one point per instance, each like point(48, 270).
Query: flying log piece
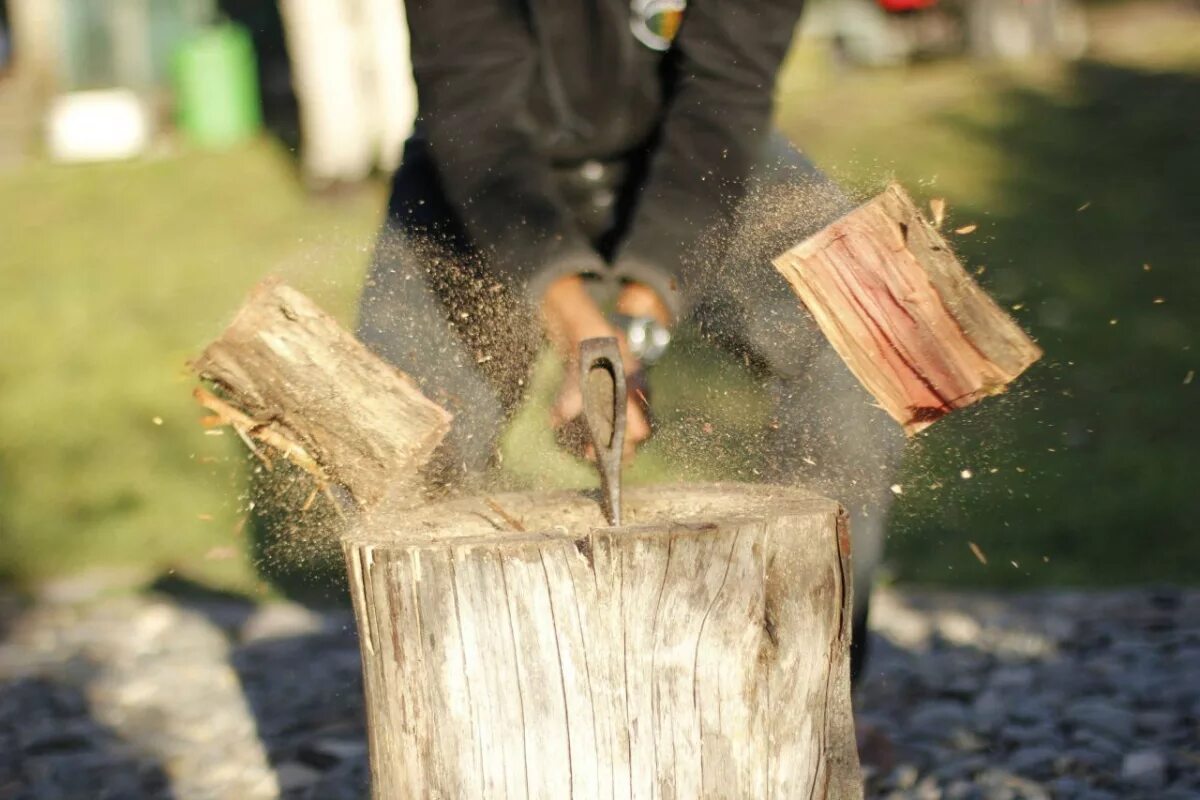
point(517, 646)
point(292, 378)
point(900, 310)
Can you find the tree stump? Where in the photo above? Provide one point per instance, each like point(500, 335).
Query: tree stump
point(518, 647)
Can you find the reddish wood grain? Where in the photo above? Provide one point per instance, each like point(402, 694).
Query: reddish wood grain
point(898, 307)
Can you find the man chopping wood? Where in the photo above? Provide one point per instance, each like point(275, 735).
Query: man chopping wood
point(600, 168)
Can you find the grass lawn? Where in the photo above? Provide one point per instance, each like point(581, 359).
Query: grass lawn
point(113, 276)
point(1083, 181)
point(1082, 178)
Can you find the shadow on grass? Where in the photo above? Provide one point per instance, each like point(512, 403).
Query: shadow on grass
point(1087, 472)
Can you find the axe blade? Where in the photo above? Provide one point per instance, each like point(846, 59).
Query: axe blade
point(602, 382)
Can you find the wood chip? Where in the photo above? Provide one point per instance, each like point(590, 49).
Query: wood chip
point(937, 206)
point(965, 229)
point(978, 552)
point(512, 521)
point(221, 553)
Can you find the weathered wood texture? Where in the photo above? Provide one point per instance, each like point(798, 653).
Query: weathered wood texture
point(898, 307)
point(517, 647)
point(300, 382)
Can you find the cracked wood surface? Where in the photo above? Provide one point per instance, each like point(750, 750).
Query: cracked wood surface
point(300, 377)
point(897, 306)
point(699, 651)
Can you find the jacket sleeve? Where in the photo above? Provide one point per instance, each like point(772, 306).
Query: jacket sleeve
point(474, 62)
point(726, 56)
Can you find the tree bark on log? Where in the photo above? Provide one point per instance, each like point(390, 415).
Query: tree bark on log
point(293, 378)
point(900, 310)
point(517, 647)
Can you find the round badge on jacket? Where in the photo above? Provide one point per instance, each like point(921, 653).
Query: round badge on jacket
point(655, 22)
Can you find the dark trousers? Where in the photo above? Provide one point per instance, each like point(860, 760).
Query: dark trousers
point(431, 308)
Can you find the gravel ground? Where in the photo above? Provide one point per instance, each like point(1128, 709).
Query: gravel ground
point(1045, 695)
point(1048, 695)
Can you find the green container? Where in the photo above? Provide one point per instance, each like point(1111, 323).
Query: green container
point(216, 87)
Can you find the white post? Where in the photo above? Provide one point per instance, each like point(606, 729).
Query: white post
point(326, 67)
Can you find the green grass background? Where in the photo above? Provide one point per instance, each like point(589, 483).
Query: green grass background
point(1084, 180)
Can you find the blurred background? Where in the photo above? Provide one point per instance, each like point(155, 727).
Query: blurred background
point(158, 157)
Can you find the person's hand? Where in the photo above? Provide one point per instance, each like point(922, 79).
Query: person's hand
point(639, 300)
point(571, 316)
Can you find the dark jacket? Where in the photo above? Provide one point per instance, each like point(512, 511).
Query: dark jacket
point(510, 89)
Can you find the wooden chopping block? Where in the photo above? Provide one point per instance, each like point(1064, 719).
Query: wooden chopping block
point(517, 646)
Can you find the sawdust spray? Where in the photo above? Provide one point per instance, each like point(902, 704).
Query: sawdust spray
point(751, 390)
